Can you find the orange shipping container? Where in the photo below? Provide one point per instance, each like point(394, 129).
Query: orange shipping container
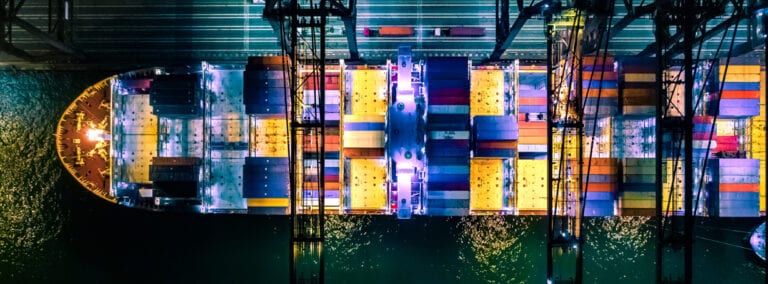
point(269, 60)
point(532, 132)
point(597, 60)
point(532, 125)
point(315, 185)
point(596, 76)
point(497, 144)
point(396, 31)
point(602, 161)
point(363, 152)
point(599, 187)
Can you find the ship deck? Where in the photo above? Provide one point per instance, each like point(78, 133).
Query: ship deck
point(80, 139)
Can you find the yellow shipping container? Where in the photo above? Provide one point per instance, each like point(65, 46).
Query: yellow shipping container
point(269, 138)
point(640, 77)
point(369, 92)
point(739, 77)
point(725, 127)
point(739, 69)
point(367, 187)
point(268, 202)
point(486, 179)
point(531, 185)
point(363, 139)
point(364, 118)
point(486, 92)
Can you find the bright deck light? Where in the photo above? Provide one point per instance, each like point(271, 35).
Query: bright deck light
point(95, 134)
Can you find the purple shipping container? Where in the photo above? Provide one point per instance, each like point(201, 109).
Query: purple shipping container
point(466, 31)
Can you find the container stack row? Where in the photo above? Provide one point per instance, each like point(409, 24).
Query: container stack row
point(758, 139)
point(266, 174)
point(734, 190)
point(565, 169)
point(363, 135)
point(600, 87)
point(740, 93)
point(332, 145)
point(494, 135)
point(448, 131)
point(639, 94)
point(638, 196)
point(599, 181)
point(704, 137)
point(530, 174)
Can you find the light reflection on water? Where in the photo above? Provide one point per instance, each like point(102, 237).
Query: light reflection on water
point(499, 249)
point(31, 215)
point(613, 244)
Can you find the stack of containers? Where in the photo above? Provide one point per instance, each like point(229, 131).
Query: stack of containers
point(598, 137)
point(639, 95)
point(566, 169)
point(734, 190)
point(635, 137)
point(264, 89)
point(531, 178)
point(448, 127)
point(599, 87)
point(702, 128)
point(740, 96)
point(532, 111)
point(638, 196)
point(265, 185)
point(311, 113)
point(727, 137)
point(363, 133)
point(602, 186)
point(757, 139)
point(673, 177)
point(495, 136)
point(531, 187)
point(600, 95)
point(495, 141)
point(265, 172)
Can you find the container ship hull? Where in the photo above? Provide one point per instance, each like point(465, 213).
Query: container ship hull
point(436, 137)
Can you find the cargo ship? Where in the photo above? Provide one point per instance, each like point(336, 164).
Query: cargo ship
point(437, 136)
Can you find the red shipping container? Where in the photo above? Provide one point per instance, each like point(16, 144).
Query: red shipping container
point(739, 187)
point(730, 94)
point(702, 119)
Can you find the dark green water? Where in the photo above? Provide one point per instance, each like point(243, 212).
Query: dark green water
point(53, 231)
